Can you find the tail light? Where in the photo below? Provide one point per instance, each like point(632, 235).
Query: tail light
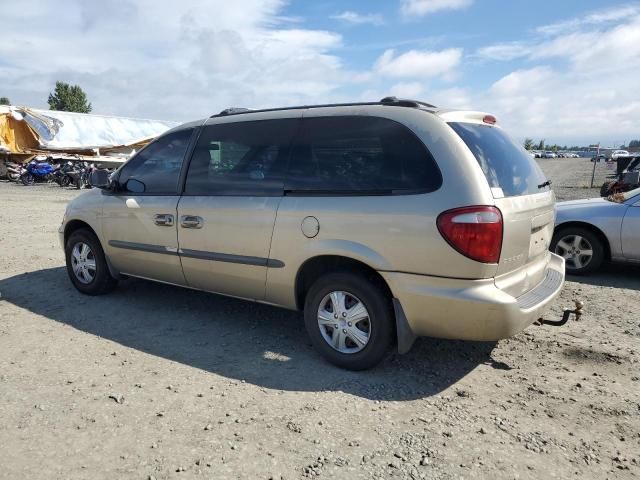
point(475, 232)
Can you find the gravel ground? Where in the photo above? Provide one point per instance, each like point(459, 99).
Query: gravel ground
point(159, 382)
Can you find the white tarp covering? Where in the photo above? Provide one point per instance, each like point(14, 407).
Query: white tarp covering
point(67, 131)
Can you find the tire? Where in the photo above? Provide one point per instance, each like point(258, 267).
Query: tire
point(592, 239)
point(65, 181)
point(27, 179)
point(380, 320)
point(102, 281)
point(605, 189)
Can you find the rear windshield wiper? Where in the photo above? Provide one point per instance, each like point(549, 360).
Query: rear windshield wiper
point(545, 184)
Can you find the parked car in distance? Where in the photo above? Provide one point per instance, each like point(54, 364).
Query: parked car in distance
point(382, 221)
point(549, 155)
point(592, 231)
point(619, 153)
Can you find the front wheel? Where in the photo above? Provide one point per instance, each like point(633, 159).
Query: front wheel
point(349, 320)
point(86, 264)
point(581, 248)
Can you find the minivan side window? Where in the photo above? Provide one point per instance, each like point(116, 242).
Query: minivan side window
point(360, 155)
point(241, 158)
point(156, 168)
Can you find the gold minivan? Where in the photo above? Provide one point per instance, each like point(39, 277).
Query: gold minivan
point(382, 221)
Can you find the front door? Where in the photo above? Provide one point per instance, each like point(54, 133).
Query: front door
point(139, 222)
point(227, 212)
point(630, 233)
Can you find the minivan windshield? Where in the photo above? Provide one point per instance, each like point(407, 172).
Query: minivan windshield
point(508, 168)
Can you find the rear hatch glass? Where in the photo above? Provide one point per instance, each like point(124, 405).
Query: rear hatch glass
point(509, 169)
point(523, 195)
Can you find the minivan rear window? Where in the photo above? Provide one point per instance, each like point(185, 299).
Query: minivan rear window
point(505, 164)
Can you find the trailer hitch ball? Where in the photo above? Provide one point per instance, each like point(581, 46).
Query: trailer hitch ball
point(566, 315)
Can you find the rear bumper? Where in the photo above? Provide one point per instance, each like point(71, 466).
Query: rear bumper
point(472, 309)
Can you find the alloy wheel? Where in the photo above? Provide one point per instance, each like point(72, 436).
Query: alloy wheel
point(576, 250)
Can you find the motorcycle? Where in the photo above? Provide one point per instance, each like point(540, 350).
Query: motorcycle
point(61, 174)
point(37, 172)
point(14, 171)
point(80, 175)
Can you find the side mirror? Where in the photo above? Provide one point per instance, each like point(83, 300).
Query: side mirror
point(99, 179)
point(135, 186)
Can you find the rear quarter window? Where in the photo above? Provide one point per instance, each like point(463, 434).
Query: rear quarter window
point(505, 164)
point(360, 155)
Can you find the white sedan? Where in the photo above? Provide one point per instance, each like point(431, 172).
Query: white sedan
point(591, 231)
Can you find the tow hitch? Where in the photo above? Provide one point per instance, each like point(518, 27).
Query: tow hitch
point(565, 316)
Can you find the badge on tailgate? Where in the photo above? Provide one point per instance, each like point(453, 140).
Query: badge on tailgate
point(541, 233)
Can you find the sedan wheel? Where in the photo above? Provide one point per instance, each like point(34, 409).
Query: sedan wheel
point(582, 249)
point(576, 251)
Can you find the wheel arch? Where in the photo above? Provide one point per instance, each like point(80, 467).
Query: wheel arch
point(313, 268)
point(75, 225)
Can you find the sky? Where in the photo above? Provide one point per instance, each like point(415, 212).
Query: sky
point(566, 71)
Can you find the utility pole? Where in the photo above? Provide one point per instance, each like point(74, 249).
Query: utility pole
point(595, 160)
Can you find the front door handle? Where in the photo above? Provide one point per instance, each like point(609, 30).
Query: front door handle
point(163, 219)
point(191, 221)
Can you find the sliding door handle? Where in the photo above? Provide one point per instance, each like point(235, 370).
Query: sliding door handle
point(191, 221)
point(163, 220)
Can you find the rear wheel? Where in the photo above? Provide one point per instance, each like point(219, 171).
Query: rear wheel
point(349, 320)
point(581, 248)
point(86, 264)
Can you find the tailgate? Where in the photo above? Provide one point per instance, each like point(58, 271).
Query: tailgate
point(528, 228)
point(522, 194)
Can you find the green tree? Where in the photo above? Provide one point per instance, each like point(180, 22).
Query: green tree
point(528, 143)
point(634, 143)
point(5, 101)
point(69, 98)
point(540, 145)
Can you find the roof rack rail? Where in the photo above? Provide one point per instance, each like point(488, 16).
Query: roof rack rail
point(234, 110)
point(402, 102)
point(390, 101)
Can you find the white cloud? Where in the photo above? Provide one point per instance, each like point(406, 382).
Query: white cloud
point(610, 49)
point(359, 18)
point(577, 79)
point(425, 7)
point(599, 17)
point(419, 63)
point(168, 60)
point(504, 51)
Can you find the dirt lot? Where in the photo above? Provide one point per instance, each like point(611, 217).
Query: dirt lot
point(159, 382)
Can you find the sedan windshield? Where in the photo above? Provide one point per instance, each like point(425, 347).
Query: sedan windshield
point(631, 193)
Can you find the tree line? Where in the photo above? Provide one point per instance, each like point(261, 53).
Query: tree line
point(65, 98)
point(529, 144)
